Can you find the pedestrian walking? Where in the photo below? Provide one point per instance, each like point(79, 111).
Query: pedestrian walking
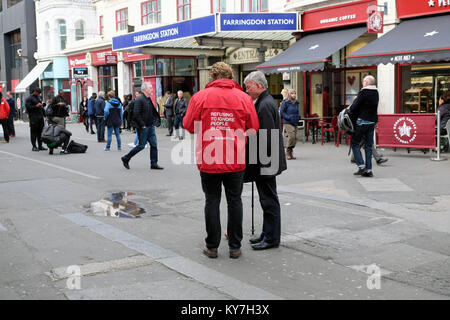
point(145, 116)
point(100, 116)
point(35, 110)
point(263, 173)
point(169, 112)
point(180, 106)
point(4, 115)
point(364, 109)
point(12, 114)
point(113, 119)
point(222, 98)
point(83, 113)
point(91, 111)
point(290, 115)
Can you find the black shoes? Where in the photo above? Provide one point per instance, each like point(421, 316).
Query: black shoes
point(92, 132)
point(35, 149)
point(367, 174)
point(50, 151)
point(263, 245)
point(155, 167)
point(235, 253)
point(360, 171)
point(42, 149)
point(210, 253)
point(382, 160)
point(256, 240)
point(125, 163)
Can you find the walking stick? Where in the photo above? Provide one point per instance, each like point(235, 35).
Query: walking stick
point(253, 208)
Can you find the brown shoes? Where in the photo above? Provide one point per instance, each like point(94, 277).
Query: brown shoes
point(234, 254)
point(290, 154)
point(210, 253)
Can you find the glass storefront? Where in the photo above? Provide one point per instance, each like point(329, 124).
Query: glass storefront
point(421, 87)
point(107, 78)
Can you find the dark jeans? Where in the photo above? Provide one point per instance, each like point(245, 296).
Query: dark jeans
point(100, 125)
point(268, 198)
point(92, 119)
point(363, 132)
point(212, 187)
point(145, 135)
point(35, 134)
point(177, 122)
point(4, 123)
point(12, 131)
point(86, 122)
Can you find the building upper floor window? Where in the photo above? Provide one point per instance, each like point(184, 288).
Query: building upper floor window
point(62, 30)
point(79, 30)
point(254, 5)
point(100, 25)
point(10, 3)
point(151, 12)
point(183, 9)
point(121, 19)
point(218, 6)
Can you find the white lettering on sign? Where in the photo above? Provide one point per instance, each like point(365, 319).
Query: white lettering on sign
point(442, 3)
point(336, 19)
point(168, 32)
point(252, 22)
point(146, 37)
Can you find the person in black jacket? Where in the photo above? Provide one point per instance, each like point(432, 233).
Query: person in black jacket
point(168, 112)
point(365, 110)
point(58, 109)
point(83, 113)
point(264, 172)
point(180, 105)
point(145, 115)
point(35, 110)
point(100, 105)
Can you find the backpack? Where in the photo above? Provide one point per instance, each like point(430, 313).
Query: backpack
point(48, 134)
point(75, 147)
point(345, 122)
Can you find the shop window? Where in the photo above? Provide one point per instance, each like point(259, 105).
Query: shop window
point(100, 25)
point(79, 30)
point(164, 67)
point(184, 66)
point(11, 3)
point(151, 12)
point(108, 71)
point(137, 69)
point(218, 6)
point(254, 5)
point(183, 10)
point(121, 19)
point(62, 34)
point(149, 68)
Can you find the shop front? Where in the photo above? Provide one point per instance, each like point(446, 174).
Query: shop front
point(79, 79)
point(319, 57)
point(419, 47)
point(106, 63)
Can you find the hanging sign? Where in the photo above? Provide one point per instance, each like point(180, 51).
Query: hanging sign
point(375, 22)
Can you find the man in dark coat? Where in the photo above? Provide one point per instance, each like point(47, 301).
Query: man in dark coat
point(263, 170)
point(168, 112)
point(100, 105)
point(145, 116)
point(59, 109)
point(35, 110)
point(365, 110)
point(91, 111)
point(12, 114)
point(180, 105)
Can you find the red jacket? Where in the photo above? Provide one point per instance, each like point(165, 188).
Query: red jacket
point(225, 113)
point(4, 109)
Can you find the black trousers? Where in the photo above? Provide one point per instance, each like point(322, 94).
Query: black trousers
point(170, 124)
point(4, 123)
point(35, 134)
point(268, 198)
point(212, 187)
point(11, 128)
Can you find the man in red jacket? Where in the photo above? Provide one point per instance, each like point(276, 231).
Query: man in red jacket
point(222, 115)
point(4, 114)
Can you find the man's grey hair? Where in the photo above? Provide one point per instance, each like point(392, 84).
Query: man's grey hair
point(101, 94)
point(180, 91)
point(370, 80)
point(257, 77)
point(145, 85)
point(292, 90)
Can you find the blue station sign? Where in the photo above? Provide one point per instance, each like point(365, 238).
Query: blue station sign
point(209, 25)
point(259, 22)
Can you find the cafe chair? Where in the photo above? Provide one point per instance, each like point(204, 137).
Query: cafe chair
point(312, 124)
point(329, 127)
point(347, 137)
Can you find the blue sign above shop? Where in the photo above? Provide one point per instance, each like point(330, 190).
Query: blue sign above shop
point(258, 22)
point(175, 31)
point(207, 25)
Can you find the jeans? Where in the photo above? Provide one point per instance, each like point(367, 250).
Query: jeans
point(179, 121)
point(92, 119)
point(363, 132)
point(212, 187)
point(147, 135)
point(100, 124)
point(268, 198)
point(12, 131)
point(117, 133)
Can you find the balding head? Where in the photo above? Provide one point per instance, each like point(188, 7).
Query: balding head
point(368, 81)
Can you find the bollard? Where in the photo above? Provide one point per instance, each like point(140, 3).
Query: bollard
point(438, 158)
